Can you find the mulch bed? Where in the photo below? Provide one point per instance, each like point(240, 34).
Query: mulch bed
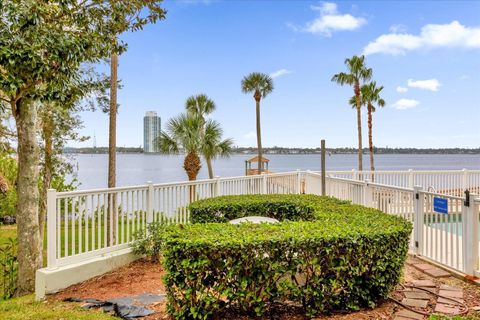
point(143, 276)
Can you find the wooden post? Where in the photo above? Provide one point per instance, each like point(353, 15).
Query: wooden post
point(323, 167)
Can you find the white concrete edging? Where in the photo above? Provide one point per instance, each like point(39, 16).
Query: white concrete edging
point(51, 280)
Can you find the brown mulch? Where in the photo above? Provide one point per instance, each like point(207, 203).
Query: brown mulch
point(143, 276)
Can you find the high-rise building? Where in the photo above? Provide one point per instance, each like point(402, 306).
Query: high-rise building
point(151, 131)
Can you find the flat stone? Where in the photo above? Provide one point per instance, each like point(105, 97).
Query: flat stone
point(424, 283)
point(450, 288)
point(415, 303)
point(448, 301)
point(407, 314)
point(437, 273)
point(423, 266)
point(446, 309)
point(422, 295)
point(253, 219)
point(451, 294)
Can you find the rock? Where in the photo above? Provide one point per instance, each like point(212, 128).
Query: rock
point(9, 220)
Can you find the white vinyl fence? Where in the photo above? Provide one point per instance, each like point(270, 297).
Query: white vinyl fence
point(82, 225)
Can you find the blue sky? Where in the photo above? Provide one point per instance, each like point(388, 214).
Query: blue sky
point(425, 54)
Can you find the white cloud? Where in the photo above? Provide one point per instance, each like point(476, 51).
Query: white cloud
point(453, 35)
point(404, 104)
point(330, 20)
point(431, 84)
point(398, 28)
point(464, 77)
point(250, 135)
point(402, 89)
point(279, 73)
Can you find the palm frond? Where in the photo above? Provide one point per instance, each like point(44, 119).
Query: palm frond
point(257, 82)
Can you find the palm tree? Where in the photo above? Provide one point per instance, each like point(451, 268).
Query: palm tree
point(260, 85)
point(213, 145)
point(357, 72)
point(370, 95)
point(193, 135)
point(202, 106)
point(184, 133)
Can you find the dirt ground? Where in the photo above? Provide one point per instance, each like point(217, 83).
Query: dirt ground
point(143, 276)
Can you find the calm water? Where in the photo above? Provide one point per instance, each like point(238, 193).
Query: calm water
point(134, 169)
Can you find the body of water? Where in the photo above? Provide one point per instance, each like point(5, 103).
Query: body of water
point(135, 169)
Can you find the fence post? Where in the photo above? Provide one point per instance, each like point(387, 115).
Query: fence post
point(367, 194)
point(411, 180)
point(150, 202)
point(264, 183)
point(51, 228)
point(470, 235)
point(218, 190)
point(465, 179)
point(298, 189)
point(418, 218)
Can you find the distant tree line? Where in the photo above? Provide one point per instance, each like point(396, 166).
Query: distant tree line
point(284, 150)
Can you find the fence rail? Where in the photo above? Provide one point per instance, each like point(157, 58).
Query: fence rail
point(82, 225)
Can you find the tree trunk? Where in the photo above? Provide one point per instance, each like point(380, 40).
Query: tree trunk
point(47, 129)
point(28, 232)
point(192, 165)
point(210, 167)
point(370, 140)
point(359, 127)
point(259, 136)
point(112, 144)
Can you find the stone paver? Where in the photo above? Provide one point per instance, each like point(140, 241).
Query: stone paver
point(422, 295)
point(447, 309)
point(451, 294)
point(450, 288)
point(437, 273)
point(415, 303)
point(407, 314)
point(424, 283)
point(423, 266)
point(448, 301)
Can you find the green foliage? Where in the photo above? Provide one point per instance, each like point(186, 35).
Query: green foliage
point(8, 200)
point(149, 244)
point(8, 268)
point(335, 256)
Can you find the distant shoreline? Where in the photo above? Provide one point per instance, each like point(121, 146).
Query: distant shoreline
point(294, 151)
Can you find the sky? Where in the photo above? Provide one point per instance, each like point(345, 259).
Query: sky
point(425, 54)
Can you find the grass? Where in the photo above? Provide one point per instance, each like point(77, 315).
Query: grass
point(27, 308)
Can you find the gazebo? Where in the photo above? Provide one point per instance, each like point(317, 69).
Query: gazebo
point(248, 165)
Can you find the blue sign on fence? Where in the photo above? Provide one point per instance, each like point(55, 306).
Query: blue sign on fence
point(440, 205)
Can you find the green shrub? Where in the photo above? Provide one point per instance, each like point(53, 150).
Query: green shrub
point(278, 206)
point(150, 243)
point(346, 258)
point(8, 269)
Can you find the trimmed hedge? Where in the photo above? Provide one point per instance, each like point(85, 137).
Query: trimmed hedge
point(337, 256)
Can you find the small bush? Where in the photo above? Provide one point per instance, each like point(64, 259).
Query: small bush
point(150, 243)
point(347, 257)
point(8, 269)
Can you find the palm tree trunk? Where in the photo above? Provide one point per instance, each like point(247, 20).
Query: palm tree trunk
point(259, 138)
point(370, 140)
point(210, 167)
point(28, 232)
point(192, 165)
point(112, 142)
point(359, 127)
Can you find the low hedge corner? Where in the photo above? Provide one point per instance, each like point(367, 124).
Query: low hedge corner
point(324, 255)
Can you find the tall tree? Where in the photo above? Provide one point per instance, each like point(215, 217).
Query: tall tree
point(357, 73)
point(42, 45)
point(260, 85)
point(201, 105)
point(370, 96)
point(133, 15)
